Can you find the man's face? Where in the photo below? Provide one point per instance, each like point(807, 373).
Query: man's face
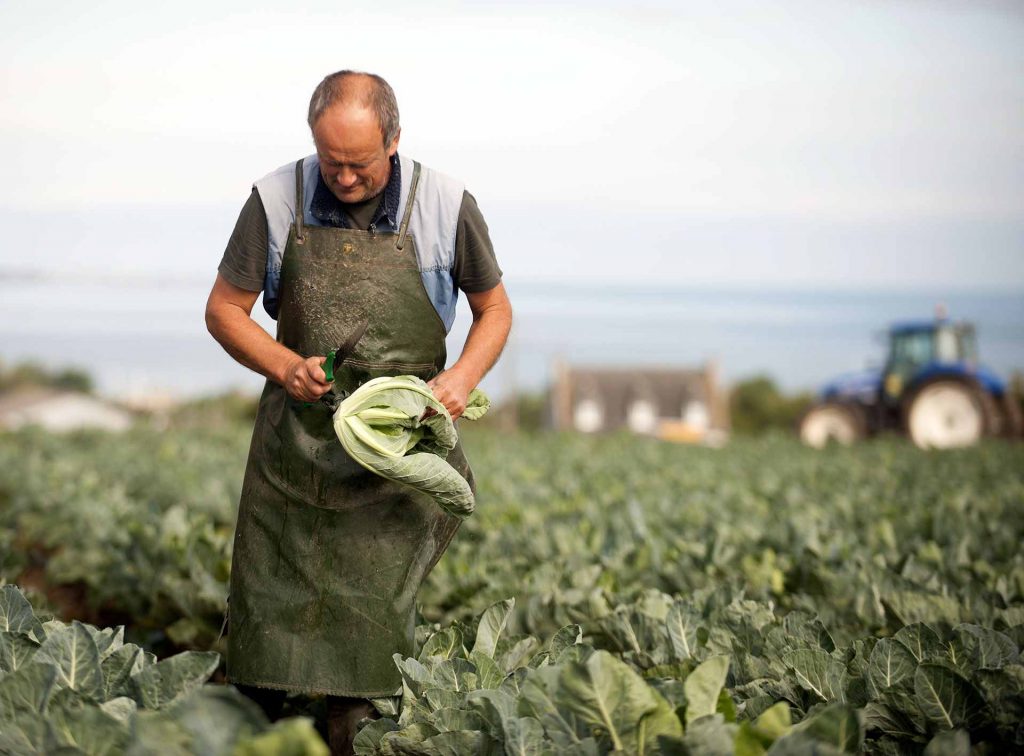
point(354, 162)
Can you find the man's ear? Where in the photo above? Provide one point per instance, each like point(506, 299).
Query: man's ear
point(393, 147)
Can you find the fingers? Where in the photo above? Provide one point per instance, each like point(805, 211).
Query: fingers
point(308, 392)
point(455, 407)
point(306, 380)
point(316, 372)
point(450, 399)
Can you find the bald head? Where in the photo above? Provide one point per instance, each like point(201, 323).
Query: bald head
point(357, 88)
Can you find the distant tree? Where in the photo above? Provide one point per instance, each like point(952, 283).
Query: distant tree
point(756, 405)
point(73, 379)
point(532, 411)
point(33, 374)
point(526, 412)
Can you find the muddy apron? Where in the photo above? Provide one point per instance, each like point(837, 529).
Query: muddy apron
point(328, 557)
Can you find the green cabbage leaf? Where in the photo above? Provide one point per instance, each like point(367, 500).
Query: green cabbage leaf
point(396, 428)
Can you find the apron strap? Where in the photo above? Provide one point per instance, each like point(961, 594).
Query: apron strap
point(300, 203)
point(407, 214)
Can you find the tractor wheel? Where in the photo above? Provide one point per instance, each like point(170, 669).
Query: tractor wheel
point(944, 414)
point(832, 421)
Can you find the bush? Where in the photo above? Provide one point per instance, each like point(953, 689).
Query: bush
point(756, 405)
point(33, 374)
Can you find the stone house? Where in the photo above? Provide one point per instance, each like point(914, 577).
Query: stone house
point(678, 404)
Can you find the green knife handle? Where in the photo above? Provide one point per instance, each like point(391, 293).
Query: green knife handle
point(328, 371)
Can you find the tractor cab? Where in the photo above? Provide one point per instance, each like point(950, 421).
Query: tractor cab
point(925, 346)
point(932, 388)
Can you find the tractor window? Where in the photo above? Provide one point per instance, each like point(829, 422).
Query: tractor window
point(914, 348)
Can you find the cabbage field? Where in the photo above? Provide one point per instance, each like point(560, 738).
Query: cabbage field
point(610, 594)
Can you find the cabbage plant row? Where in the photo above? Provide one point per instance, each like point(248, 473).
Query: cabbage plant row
point(76, 689)
point(865, 599)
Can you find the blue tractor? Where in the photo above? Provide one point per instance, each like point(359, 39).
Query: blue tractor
point(931, 387)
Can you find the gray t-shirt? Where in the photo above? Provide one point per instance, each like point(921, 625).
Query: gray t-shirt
point(245, 259)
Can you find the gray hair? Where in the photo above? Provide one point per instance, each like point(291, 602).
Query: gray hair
point(378, 96)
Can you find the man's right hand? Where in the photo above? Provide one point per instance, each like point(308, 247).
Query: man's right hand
point(305, 379)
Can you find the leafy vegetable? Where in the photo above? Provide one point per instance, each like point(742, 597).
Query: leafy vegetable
point(396, 428)
point(65, 696)
point(703, 687)
point(875, 580)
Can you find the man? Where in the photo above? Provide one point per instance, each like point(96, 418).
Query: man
point(352, 240)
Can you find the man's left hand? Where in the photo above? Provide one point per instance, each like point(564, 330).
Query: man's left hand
point(492, 319)
point(452, 390)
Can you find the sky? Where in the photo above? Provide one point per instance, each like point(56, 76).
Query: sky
point(807, 143)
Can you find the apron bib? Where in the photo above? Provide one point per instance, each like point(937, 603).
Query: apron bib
point(328, 557)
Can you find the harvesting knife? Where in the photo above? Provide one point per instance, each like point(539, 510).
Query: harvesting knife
point(337, 356)
point(334, 360)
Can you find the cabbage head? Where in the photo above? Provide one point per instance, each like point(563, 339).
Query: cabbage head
point(396, 428)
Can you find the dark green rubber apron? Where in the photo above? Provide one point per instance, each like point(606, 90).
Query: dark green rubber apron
point(328, 557)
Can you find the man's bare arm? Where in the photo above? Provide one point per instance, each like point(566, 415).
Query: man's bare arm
point(492, 320)
point(229, 321)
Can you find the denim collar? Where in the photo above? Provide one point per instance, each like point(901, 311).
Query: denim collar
point(330, 211)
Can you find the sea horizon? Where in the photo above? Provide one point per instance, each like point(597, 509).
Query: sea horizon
point(146, 334)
